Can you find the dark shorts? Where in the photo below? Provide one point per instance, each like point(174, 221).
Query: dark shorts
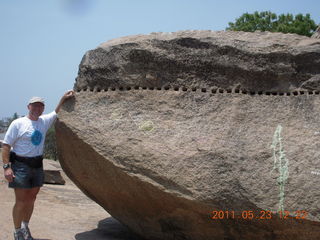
point(25, 176)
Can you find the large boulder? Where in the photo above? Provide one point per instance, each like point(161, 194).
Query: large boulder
point(199, 134)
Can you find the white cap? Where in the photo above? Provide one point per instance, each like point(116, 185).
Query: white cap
point(36, 99)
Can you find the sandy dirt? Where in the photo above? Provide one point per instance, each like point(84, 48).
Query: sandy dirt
point(62, 212)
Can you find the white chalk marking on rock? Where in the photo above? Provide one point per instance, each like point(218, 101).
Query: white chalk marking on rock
point(281, 163)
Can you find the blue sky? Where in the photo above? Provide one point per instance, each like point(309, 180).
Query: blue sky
point(42, 41)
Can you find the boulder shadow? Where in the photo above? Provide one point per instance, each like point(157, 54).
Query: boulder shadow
point(109, 229)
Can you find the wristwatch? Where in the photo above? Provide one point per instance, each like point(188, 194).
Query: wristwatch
point(6, 165)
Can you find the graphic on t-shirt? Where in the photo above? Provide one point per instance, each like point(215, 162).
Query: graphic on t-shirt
point(36, 137)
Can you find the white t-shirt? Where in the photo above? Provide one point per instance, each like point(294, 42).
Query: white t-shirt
point(26, 137)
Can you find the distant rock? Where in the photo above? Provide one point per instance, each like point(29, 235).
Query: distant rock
point(52, 173)
point(199, 134)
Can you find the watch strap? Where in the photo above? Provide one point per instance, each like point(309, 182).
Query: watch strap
point(6, 165)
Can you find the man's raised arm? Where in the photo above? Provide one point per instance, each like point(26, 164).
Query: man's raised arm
point(67, 95)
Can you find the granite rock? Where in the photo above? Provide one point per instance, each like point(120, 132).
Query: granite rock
point(316, 34)
point(199, 134)
point(52, 172)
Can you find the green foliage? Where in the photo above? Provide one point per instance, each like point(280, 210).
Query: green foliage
point(268, 21)
point(3, 125)
point(50, 147)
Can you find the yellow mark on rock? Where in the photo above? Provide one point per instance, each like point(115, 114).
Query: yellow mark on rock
point(146, 126)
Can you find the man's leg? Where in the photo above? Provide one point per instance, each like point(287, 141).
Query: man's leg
point(23, 208)
point(32, 198)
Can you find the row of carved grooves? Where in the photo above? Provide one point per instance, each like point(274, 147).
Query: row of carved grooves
point(194, 89)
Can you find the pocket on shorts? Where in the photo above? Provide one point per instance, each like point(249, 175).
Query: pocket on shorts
point(21, 172)
point(20, 167)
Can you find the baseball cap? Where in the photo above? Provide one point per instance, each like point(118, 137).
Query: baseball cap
point(36, 99)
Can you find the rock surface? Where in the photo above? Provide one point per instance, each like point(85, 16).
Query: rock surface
point(316, 34)
point(52, 172)
point(169, 129)
point(252, 61)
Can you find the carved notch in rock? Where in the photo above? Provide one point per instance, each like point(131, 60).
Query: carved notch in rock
point(199, 135)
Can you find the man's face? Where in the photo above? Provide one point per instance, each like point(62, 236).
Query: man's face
point(36, 109)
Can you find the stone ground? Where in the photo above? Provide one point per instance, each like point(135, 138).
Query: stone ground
point(62, 213)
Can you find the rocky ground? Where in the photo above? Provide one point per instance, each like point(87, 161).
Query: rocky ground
point(62, 212)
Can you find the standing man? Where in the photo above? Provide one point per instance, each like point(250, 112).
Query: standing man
point(22, 152)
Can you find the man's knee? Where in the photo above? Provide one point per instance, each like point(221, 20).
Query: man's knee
point(31, 198)
point(32, 194)
point(28, 200)
point(26, 196)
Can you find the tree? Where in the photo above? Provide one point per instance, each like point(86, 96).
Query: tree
point(3, 125)
point(14, 117)
point(268, 21)
point(5, 122)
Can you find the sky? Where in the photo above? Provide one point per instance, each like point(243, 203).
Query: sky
point(42, 42)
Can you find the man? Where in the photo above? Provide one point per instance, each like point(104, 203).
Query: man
point(23, 146)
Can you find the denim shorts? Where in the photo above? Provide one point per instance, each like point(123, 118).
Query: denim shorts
point(25, 176)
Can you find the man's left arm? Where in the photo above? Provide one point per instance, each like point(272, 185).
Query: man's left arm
point(66, 96)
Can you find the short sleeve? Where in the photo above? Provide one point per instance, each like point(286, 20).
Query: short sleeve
point(11, 134)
